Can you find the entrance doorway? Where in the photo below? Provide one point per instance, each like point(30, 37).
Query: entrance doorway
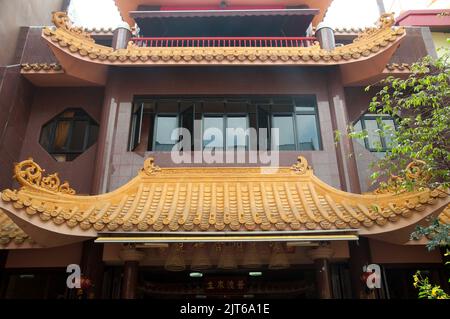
point(295, 282)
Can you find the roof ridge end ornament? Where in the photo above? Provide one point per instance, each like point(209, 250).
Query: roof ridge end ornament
point(386, 20)
point(30, 173)
point(301, 167)
point(150, 167)
point(61, 20)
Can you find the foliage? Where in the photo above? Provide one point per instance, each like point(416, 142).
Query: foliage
point(426, 289)
point(436, 232)
point(421, 106)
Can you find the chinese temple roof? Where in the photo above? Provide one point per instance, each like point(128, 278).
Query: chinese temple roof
point(206, 201)
point(82, 58)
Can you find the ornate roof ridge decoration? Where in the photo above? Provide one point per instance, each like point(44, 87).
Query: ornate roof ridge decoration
point(414, 172)
point(37, 67)
point(368, 43)
point(199, 199)
point(62, 21)
point(301, 167)
point(30, 174)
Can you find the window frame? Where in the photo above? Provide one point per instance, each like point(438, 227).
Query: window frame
point(225, 117)
point(251, 113)
point(370, 116)
point(54, 123)
point(293, 113)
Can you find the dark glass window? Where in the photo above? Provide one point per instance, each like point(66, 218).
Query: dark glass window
point(164, 130)
point(69, 134)
point(297, 122)
point(379, 128)
point(285, 126)
point(236, 137)
point(154, 121)
point(213, 132)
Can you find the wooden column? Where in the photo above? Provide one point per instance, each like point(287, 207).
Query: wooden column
point(92, 267)
point(359, 257)
point(131, 258)
point(321, 257)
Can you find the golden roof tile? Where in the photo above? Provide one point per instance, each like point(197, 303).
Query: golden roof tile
point(10, 233)
point(209, 200)
point(40, 67)
point(399, 67)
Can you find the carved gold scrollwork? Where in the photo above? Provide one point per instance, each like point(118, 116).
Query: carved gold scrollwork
point(414, 171)
point(30, 173)
point(61, 20)
point(301, 167)
point(150, 167)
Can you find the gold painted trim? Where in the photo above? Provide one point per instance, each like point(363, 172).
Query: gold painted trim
point(248, 238)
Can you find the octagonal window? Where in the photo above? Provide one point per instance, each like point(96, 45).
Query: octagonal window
point(69, 134)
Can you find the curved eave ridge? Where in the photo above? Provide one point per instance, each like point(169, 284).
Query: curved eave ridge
point(210, 200)
point(78, 43)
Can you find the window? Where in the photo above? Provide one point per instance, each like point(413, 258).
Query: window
point(153, 123)
point(296, 120)
point(285, 125)
point(223, 123)
point(236, 137)
point(379, 129)
point(164, 128)
point(213, 132)
point(224, 129)
point(69, 134)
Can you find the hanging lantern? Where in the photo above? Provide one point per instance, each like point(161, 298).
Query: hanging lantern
point(227, 258)
point(251, 256)
point(200, 260)
point(175, 259)
point(278, 258)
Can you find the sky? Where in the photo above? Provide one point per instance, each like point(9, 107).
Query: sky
point(342, 13)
